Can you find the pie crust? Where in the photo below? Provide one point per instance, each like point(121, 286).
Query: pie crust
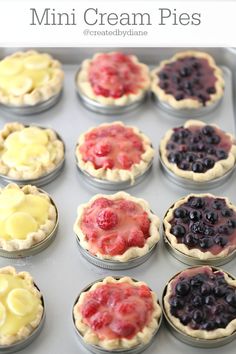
point(43, 230)
point(54, 146)
point(141, 338)
point(131, 252)
point(27, 90)
point(194, 252)
point(220, 168)
point(188, 103)
point(84, 84)
point(26, 330)
point(199, 333)
point(117, 175)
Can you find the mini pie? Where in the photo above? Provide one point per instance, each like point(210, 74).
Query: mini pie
point(202, 226)
point(21, 306)
point(198, 151)
point(114, 152)
point(113, 78)
point(27, 217)
point(28, 78)
point(29, 152)
point(117, 314)
point(189, 80)
point(117, 227)
point(201, 302)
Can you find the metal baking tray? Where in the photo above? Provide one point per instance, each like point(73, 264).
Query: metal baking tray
point(60, 270)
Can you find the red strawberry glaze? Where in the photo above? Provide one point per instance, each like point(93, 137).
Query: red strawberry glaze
point(114, 75)
point(112, 226)
point(112, 147)
point(117, 310)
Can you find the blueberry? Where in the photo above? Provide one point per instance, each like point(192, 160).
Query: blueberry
point(182, 288)
point(197, 167)
point(185, 319)
point(178, 230)
point(205, 242)
point(197, 301)
point(226, 213)
point(179, 96)
point(173, 311)
point(195, 215)
point(198, 316)
point(219, 308)
point(232, 223)
point(221, 240)
point(201, 146)
point(208, 130)
point(209, 163)
point(175, 137)
point(211, 90)
point(231, 299)
point(194, 139)
point(217, 204)
point(221, 154)
point(209, 325)
point(185, 71)
point(163, 85)
point(219, 290)
point(183, 133)
point(197, 228)
point(188, 85)
point(224, 230)
point(176, 79)
point(209, 300)
point(189, 240)
point(209, 231)
point(221, 321)
point(205, 289)
point(212, 216)
point(196, 281)
point(214, 139)
point(211, 151)
point(196, 65)
point(190, 157)
point(170, 146)
point(174, 157)
point(202, 98)
point(183, 165)
point(177, 303)
point(163, 75)
point(181, 213)
point(197, 203)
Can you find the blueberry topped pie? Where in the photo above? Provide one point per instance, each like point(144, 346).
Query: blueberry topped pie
point(189, 80)
point(202, 226)
point(201, 302)
point(197, 151)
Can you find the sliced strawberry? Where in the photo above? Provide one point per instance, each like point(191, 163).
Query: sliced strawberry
point(144, 223)
point(108, 164)
point(113, 244)
point(102, 149)
point(107, 219)
point(100, 320)
point(144, 291)
point(89, 308)
point(123, 328)
point(101, 294)
point(136, 238)
point(125, 308)
point(125, 161)
point(127, 205)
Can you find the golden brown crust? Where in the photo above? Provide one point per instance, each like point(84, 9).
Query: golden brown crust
point(142, 337)
point(199, 333)
point(41, 93)
point(220, 167)
point(188, 103)
point(39, 170)
point(117, 175)
point(25, 331)
point(43, 231)
point(132, 252)
point(194, 252)
point(86, 88)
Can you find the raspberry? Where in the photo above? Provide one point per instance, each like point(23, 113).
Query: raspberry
point(125, 308)
point(136, 238)
point(144, 224)
point(102, 149)
point(107, 219)
point(89, 308)
point(102, 203)
point(113, 244)
point(144, 291)
point(123, 328)
point(100, 320)
point(108, 163)
point(125, 161)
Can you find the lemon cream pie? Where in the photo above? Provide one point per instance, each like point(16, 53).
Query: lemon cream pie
point(21, 306)
point(27, 216)
point(29, 152)
point(28, 78)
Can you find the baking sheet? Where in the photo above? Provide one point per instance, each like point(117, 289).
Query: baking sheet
point(60, 271)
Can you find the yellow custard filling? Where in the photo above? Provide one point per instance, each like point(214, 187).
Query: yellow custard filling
point(18, 304)
point(21, 75)
point(21, 214)
point(28, 148)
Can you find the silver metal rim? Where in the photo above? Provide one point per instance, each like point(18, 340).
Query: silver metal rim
point(6, 349)
point(187, 183)
point(114, 265)
point(42, 180)
point(186, 259)
point(196, 342)
point(105, 109)
point(38, 247)
point(27, 110)
point(99, 350)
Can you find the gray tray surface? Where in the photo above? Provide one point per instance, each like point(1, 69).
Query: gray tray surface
point(60, 271)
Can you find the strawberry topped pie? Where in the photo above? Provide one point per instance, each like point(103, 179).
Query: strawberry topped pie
point(117, 314)
point(198, 151)
point(113, 78)
point(29, 78)
point(114, 152)
point(202, 226)
point(117, 227)
point(189, 80)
